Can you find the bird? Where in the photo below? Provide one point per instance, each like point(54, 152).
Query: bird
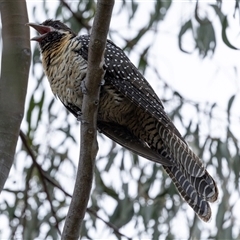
point(130, 112)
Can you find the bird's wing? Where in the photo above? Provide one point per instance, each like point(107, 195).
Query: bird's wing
point(125, 77)
point(187, 171)
point(122, 136)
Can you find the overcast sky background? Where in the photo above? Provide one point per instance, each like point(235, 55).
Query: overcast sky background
point(213, 79)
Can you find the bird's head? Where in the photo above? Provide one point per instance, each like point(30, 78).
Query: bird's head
point(51, 32)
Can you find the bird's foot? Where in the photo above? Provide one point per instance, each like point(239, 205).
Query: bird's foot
point(79, 116)
point(83, 87)
point(102, 82)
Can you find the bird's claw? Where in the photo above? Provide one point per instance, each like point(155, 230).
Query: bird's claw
point(79, 116)
point(102, 82)
point(83, 87)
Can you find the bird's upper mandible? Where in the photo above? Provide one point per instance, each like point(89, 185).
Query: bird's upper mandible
point(50, 32)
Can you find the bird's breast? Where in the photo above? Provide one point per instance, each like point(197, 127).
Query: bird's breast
point(65, 69)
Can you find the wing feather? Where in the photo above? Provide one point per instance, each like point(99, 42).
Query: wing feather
point(125, 77)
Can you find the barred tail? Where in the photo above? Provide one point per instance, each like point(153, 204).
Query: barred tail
point(196, 191)
point(181, 153)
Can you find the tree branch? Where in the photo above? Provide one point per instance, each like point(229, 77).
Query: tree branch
point(115, 229)
point(78, 17)
point(45, 176)
point(13, 82)
point(42, 175)
point(89, 145)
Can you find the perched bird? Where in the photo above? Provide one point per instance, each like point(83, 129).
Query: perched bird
point(130, 112)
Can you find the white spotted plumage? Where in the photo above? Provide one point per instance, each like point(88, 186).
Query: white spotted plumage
point(130, 112)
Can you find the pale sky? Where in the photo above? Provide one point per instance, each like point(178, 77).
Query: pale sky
point(213, 79)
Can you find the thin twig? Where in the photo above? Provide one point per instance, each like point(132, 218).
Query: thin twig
point(89, 109)
point(42, 176)
point(78, 17)
point(55, 184)
point(115, 229)
point(23, 219)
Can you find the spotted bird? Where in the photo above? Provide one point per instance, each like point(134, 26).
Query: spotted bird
point(130, 113)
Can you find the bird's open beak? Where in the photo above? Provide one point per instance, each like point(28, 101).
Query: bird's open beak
point(43, 30)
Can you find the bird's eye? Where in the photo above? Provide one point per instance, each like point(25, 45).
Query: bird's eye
point(50, 37)
point(57, 25)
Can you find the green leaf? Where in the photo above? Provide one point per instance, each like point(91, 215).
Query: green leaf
point(58, 11)
point(111, 158)
point(205, 39)
point(224, 22)
point(224, 34)
point(187, 26)
point(40, 105)
point(211, 110)
point(143, 59)
point(31, 106)
point(230, 102)
point(123, 213)
point(134, 7)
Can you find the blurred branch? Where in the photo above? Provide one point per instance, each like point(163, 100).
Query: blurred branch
point(78, 17)
point(23, 219)
point(192, 228)
point(115, 229)
point(89, 146)
point(25, 200)
point(45, 176)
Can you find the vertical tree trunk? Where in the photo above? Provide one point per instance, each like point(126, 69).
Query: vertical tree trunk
point(89, 144)
point(13, 81)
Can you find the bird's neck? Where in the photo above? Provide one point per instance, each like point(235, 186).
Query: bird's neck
point(54, 55)
point(65, 69)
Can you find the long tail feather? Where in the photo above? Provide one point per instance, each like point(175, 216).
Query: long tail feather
point(196, 194)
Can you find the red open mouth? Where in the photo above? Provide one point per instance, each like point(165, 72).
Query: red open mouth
point(43, 30)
